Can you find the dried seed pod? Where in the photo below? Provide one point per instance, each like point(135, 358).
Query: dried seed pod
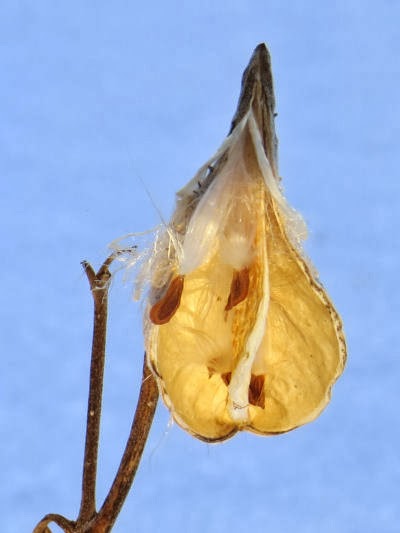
point(239, 332)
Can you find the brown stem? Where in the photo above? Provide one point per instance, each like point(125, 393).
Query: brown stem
point(99, 284)
point(67, 525)
point(141, 425)
point(89, 521)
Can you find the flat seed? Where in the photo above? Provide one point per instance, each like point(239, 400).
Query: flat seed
point(164, 309)
point(239, 288)
point(256, 391)
point(226, 377)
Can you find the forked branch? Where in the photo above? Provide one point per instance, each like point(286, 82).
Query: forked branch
point(89, 520)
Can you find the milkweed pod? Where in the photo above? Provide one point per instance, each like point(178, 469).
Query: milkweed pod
point(239, 332)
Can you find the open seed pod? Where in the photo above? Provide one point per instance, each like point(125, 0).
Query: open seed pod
point(239, 332)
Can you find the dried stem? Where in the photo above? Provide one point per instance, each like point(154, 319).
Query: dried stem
point(89, 520)
point(134, 448)
point(99, 286)
point(67, 525)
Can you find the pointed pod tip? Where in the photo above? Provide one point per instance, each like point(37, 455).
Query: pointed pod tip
point(258, 74)
point(261, 50)
point(257, 92)
point(260, 63)
point(259, 70)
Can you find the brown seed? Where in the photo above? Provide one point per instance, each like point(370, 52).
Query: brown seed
point(164, 309)
point(256, 391)
point(239, 288)
point(226, 377)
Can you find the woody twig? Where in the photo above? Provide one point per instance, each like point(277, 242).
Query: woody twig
point(89, 519)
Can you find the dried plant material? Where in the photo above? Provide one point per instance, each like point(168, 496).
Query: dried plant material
point(239, 332)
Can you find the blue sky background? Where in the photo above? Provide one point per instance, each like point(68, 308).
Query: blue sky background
point(94, 98)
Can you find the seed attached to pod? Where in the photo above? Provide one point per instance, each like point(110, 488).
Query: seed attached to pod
point(164, 309)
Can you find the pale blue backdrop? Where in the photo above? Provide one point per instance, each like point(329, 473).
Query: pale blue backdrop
point(98, 97)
